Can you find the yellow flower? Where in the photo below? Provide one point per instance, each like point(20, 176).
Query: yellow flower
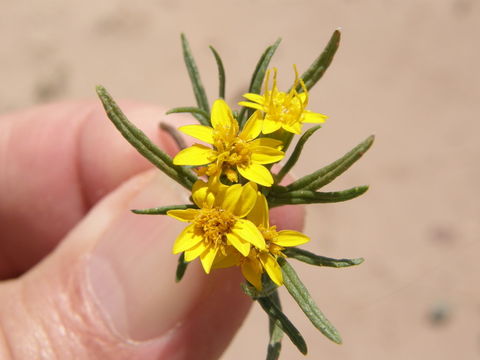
point(231, 149)
point(283, 110)
point(219, 222)
point(260, 259)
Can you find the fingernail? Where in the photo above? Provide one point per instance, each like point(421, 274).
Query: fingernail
point(132, 270)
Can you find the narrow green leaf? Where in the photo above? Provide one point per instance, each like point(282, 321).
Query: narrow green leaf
point(162, 210)
point(275, 331)
point(313, 197)
point(174, 134)
point(327, 174)
point(261, 68)
point(313, 259)
point(199, 114)
point(181, 268)
point(295, 154)
point(221, 73)
point(284, 323)
point(142, 143)
point(301, 295)
point(192, 69)
point(258, 77)
point(321, 63)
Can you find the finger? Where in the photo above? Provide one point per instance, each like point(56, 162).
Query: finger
point(57, 161)
point(108, 291)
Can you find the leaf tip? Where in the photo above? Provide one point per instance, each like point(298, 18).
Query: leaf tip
point(100, 90)
point(358, 261)
point(363, 188)
point(337, 34)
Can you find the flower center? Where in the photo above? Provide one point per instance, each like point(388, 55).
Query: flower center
point(213, 225)
point(233, 151)
point(270, 234)
point(284, 108)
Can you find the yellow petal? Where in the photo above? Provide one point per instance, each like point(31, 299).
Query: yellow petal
point(247, 200)
point(252, 128)
point(270, 126)
point(266, 155)
point(291, 238)
point(303, 97)
point(196, 251)
point(295, 128)
point(208, 257)
point(273, 269)
point(255, 98)
point(209, 200)
point(199, 193)
point(186, 240)
point(238, 243)
point(195, 155)
point(230, 198)
point(239, 200)
point(256, 173)
point(273, 143)
point(221, 115)
point(315, 118)
point(231, 258)
point(217, 190)
point(200, 132)
point(183, 215)
point(251, 105)
point(259, 214)
point(204, 194)
point(253, 274)
point(246, 230)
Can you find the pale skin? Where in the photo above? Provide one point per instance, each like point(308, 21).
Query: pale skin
point(83, 278)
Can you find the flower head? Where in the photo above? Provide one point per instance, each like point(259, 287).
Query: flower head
point(232, 150)
point(219, 223)
point(283, 110)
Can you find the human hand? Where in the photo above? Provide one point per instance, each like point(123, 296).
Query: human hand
point(107, 291)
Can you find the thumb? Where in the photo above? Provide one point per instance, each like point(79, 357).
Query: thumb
point(108, 290)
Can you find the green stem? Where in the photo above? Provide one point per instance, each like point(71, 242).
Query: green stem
point(286, 325)
point(275, 331)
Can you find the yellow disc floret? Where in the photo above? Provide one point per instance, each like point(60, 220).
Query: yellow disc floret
point(213, 225)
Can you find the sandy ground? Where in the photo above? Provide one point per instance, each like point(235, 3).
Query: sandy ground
point(407, 71)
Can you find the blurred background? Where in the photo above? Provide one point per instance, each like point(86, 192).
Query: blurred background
point(407, 71)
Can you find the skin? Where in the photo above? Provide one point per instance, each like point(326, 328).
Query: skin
point(76, 282)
